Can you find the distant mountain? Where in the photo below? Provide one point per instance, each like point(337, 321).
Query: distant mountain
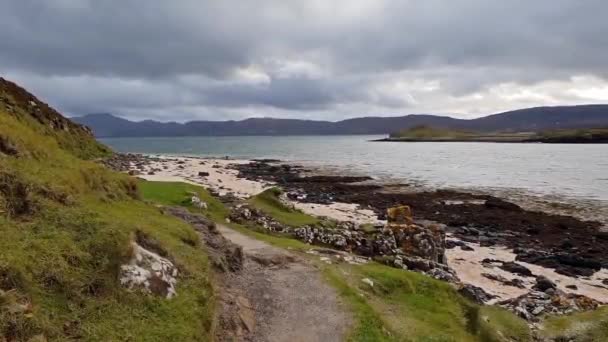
point(529, 119)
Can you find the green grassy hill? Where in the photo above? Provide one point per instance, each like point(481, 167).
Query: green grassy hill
point(66, 224)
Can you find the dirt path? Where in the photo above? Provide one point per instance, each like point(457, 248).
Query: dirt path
point(278, 296)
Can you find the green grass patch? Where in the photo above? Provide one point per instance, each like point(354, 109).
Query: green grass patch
point(409, 306)
point(180, 194)
point(269, 202)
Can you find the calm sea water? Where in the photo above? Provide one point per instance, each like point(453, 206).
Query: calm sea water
point(574, 171)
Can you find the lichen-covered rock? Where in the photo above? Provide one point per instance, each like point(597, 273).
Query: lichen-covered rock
point(427, 242)
point(400, 215)
point(149, 272)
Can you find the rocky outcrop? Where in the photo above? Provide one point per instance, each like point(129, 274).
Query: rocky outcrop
point(149, 272)
point(401, 243)
point(534, 304)
point(546, 298)
point(427, 242)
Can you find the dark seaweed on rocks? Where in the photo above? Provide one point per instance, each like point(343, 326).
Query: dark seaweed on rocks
point(570, 246)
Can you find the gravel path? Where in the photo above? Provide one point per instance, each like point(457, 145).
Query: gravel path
point(278, 296)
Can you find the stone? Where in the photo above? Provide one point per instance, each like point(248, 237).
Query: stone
point(543, 284)
point(572, 287)
point(516, 268)
point(149, 272)
point(534, 303)
point(198, 203)
point(474, 293)
point(368, 282)
point(400, 215)
point(203, 174)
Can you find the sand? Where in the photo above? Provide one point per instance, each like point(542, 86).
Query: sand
point(469, 268)
point(223, 180)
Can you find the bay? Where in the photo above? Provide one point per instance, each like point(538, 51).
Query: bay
point(569, 170)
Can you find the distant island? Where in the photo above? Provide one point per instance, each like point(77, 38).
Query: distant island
point(536, 119)
point(435, 134)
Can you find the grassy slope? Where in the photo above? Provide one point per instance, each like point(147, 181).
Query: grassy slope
point(66, 226)
point(402, 306)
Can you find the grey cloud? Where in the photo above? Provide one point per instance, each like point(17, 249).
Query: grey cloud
point(132, 55)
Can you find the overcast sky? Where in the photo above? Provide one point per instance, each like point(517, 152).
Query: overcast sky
point(317, 59)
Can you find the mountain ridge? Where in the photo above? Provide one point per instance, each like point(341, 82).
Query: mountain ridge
point(526, 119)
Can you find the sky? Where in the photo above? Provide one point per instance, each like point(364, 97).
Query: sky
point(186, 60)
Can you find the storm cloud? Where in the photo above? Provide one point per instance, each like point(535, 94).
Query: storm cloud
point(191, 59)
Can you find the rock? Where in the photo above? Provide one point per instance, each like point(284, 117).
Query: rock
point(149, 272)
point(534, 303)
point(443, 274)
point(198, 203)
point(516, 268)
point(516, 282)
point(466, 247)
point(474, 293)
point(203, 174)
point(368, 282)
point(543, 284)
point(399, 215)
point(246, 313)
point(572, 287)
point(415, 240)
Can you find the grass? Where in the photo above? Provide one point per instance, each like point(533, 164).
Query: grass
point(583, 327)
point(66, 225)
point(269, 202)
point(408, 306)
point(178, 193)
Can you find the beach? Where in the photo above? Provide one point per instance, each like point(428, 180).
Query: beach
point(222, 177)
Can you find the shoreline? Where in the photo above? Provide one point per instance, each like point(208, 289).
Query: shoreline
point(225, 176)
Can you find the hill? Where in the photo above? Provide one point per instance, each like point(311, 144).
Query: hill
point(67, 227)
point(529, 119)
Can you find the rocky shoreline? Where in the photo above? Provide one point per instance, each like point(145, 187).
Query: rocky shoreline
point(493, 250)
point(569, 245)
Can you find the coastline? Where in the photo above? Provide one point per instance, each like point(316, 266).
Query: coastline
point(226, 177)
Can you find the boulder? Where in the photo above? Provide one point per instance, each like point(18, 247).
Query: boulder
point(516, 268)
point(474, 293)
point(149, 272)
point(534, 304)
point(427, 242)
point(399, 215)
point(198, 203)
point(543, 284)
point(203, 174)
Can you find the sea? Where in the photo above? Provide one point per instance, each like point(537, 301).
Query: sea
point(559, 171)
